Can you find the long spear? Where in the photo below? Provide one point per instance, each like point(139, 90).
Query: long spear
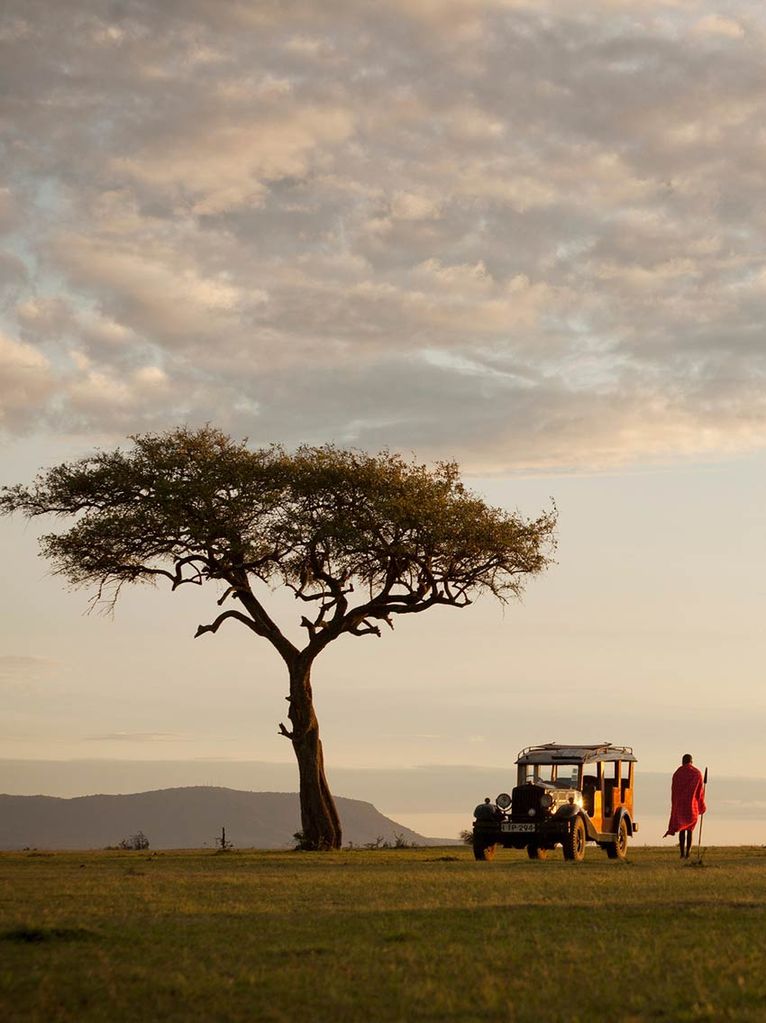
point(699, 843)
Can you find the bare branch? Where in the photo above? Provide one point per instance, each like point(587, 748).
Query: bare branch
point(309, 625)
point(179, 579)
point(300, 592)
point(215, 626)
point(364, 629)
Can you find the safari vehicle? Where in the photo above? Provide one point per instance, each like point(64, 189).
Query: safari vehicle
point(564, 795)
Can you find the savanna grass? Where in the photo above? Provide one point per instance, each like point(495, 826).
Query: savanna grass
point(414, 934)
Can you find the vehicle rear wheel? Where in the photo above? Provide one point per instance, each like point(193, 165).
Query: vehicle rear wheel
point(536, 852)
point(483, 852)
point(574, 841)
point(618, 849)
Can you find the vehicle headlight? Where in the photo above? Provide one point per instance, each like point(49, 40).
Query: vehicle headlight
point(503, 801)
point(546, 801)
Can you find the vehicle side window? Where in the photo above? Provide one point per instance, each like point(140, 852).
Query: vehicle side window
point(590, 780)
point(590, 786)
point(627, 780)
point(611, 786)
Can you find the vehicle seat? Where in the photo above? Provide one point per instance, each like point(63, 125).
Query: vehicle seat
point(609, 787)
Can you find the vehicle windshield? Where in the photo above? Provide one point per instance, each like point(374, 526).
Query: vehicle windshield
point(566, 776)
point(563, 776)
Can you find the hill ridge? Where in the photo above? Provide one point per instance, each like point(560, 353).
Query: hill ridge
point(182, 817)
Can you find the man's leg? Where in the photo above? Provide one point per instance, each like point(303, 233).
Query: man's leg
point(689, 837)
point(681, 842)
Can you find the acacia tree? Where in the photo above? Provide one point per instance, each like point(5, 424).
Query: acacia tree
point(358, 538)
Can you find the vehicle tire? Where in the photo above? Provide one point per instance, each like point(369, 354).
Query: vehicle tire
point(618, 849)
point(574, 841)
point(536, 852)
point(483, 852)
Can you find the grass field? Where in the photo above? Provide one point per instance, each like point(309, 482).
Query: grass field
point(412, 934)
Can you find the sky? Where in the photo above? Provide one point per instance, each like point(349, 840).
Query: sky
point(524, 235)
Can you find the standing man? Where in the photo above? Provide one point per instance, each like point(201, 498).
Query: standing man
point(687, 796)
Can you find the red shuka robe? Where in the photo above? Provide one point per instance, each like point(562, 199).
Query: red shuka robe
point(687, 799)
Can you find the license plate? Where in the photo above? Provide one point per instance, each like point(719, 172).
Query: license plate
point(509, 826)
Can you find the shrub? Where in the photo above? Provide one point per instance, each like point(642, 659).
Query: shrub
point(138, 841)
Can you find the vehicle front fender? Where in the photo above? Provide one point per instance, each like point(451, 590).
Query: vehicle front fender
point(567, 811)
point(487, 829)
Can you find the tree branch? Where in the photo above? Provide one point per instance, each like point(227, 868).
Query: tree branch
point(215, 626)
point(263, 624)
point(178, 578)
point(364, 629)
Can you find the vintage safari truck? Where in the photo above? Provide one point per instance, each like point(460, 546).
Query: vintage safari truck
point(564, 795)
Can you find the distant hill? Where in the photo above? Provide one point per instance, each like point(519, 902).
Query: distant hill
point(180, 818)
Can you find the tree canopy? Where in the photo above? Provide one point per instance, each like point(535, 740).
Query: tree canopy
point(357, 537)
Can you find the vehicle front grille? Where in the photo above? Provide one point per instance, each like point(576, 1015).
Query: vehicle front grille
point(525, 798)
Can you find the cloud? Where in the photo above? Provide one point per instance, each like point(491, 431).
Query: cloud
point(716, 24)
point(526, 234)
point(9, 213)
point(137, 737)
point(26, 382)
point(223, 164)
point(159, 293)
point(18, 670)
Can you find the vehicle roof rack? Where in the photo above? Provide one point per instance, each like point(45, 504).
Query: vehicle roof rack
point(573, 753)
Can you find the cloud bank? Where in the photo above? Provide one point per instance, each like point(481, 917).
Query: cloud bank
point(527, 235)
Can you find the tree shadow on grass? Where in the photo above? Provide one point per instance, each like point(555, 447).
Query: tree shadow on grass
point(40, 935)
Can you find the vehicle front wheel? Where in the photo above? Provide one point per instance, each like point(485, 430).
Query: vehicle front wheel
point(574, 842)
point(618, 849)
point(536, 852)
point(483, 852)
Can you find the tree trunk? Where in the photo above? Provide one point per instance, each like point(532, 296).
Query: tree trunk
point(320, 823)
